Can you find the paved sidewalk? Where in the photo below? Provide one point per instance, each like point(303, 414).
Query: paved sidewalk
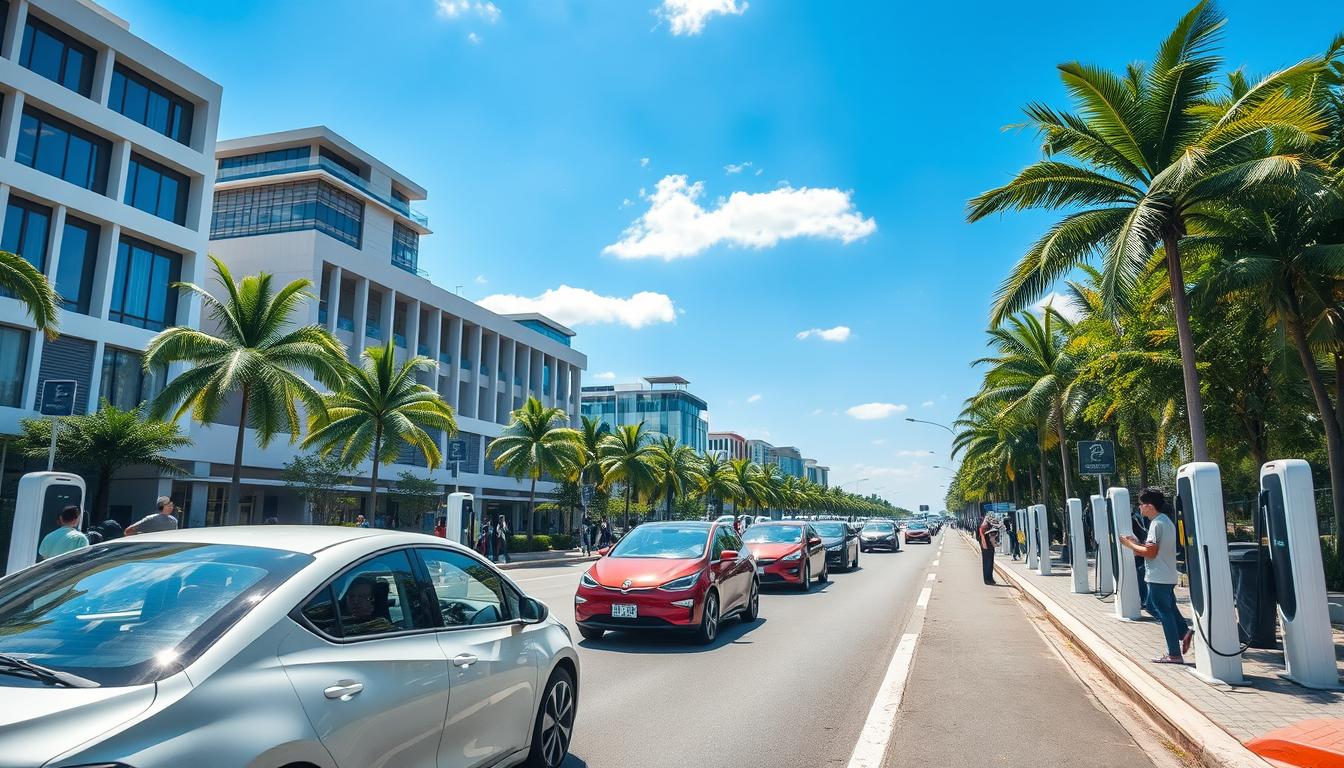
point(986, 689)
point(539, 559)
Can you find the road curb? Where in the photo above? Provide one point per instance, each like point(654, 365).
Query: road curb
point(1191, 729)
point(561, 558)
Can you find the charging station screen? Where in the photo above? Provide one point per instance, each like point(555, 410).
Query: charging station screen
point(468, 520)
point(1184, 505)
point(56, 498)
point(1280, 556)
point(1112, 534)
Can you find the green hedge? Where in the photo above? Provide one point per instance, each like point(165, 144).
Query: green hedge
point(541, 543)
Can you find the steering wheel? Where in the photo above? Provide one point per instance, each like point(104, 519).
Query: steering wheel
point(456, 613)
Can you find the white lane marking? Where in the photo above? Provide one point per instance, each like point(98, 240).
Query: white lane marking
point(923, 601)
point(932, 576)
point(872, 745)
point(935, 563)
point(542, 578)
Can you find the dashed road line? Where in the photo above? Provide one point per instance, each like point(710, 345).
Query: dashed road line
point(923, 601)
point(932, 576)
point(877, 729)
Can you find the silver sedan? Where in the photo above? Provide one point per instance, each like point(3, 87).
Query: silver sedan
point(280, 647)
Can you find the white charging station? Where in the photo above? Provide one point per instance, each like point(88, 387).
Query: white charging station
point(1042, 539)
point(1127, 605)
point(461, 518)
point(1199, 502)
point(1003, 534)
point(1287, 500)
point(1105, 536)
point(1033, 556)
point(1078, 547)
point(41, 497)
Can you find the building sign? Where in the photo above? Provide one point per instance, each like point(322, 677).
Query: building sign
point(58, 397)
point(457, 450)
point(1096, 457)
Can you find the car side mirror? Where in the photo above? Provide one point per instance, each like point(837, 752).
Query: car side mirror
point(814, 541)
point(728, 555)
point(532, 611)
point(603, 551)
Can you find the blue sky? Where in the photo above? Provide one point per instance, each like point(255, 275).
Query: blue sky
point(553, 136)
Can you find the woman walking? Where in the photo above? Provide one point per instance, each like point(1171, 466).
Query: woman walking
point(502, 539)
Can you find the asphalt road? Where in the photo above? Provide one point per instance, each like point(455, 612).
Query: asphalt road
point(791, 690)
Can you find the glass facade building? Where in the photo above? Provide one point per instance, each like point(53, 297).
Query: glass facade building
point(288, 207)
point(673, 412)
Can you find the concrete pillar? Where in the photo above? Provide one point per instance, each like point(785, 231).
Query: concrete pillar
point(361, 317)
point(55, 234)
point(104, 271)
point(9, 122)
point(454, 349)
point(199, 496)
point(434, 339)
point(333, 298)
point(472, 406)
point(575, 394)
point(102, 76)
point(488, 381)
point(413, 327)
point(525, 358)
point(11, 43)
point(119, 170)
point(385, 319)
point(96, 380)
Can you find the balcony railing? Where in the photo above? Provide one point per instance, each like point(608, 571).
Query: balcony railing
point(322, 164)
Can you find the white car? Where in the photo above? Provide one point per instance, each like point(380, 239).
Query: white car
point(279, 646)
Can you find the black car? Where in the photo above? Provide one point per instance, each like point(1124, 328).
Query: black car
point(841, 543)
point(880, 534)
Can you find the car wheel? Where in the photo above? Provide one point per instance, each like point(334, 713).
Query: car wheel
point(806, 584)
point(591, 633)
point(555, 723)
point(825, 574)
point(709, 620)
point(753, 609)
point(854, 564)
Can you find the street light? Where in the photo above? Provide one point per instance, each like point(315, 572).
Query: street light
point(934, 423)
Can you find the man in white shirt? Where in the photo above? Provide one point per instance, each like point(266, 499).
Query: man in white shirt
point(1159, 553)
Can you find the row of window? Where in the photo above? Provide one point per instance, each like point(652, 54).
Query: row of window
point(405, 247)
point(150, 104)
point(157, 190)
point(53, 146)
point(123, 380)
point(263, 162)
point(288, 207)
point(57, 56)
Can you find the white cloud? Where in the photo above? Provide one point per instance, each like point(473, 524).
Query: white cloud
point(688, 17)
point(754, 398)
point(734, 168)
point(874, 411)
point(913, 453)
point(1062, 304)
point(643, 163)
point(818, 411)
point(880, 441)
point(839, 333)
point(605, 376)
point(473, 38)
point(461, 9)
point(676, 225)
point(579, 306)
point(480, 280)
point(926, 404)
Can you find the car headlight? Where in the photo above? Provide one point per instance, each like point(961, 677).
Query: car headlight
point(587, 581)
point(836, 548)
point(682, 584)
point(796, 554)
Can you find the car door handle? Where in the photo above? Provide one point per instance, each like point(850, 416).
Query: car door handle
point(343, 690)
point(463, 660)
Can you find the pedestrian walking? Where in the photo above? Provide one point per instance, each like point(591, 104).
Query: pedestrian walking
point(67, 536)
point(502, 539)
point(604, 534)
point(1159, 553)
point(989, 541)
point(1010, 528)
point(161, 520)
point(360, 522)
point(586, 535)
point(488, 533)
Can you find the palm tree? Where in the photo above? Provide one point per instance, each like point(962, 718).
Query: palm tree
point(747, 480)
point(252, 356)
point(716, 480)
point(678, 470)
point(107, 440)
point(26, 283)
point(768, 480)
point(380, 408)
point(590, 434)
point(1146, 150)
point(537, 442)
point(626, 456)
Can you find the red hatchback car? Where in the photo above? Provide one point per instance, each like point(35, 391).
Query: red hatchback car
point(788, 553)
point(686, 576)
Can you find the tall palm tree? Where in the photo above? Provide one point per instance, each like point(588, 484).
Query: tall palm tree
point(380, 408)
point(107, 440)
point(678, 469)
point(747, 480)
point(536, 442)
point(717, 481)
point(627, 457)
point(768, 480)
point(26, 283)
point(253, 355)
point(1145, 151)
point(590, 433)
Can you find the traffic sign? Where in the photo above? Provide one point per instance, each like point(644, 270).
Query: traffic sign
point(923, 507)
point(1096, 457)
point(457, 450)
point(58, 397)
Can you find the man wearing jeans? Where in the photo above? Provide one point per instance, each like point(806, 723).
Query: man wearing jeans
point(1159, 553)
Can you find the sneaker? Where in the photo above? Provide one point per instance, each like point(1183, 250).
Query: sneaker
point(1169, 659)
point(1187, 640)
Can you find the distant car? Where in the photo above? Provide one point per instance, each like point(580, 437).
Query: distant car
point(746, 521)
point(918, 532)
point(841, 543)
point(293, 645)
point(725, 519)
point(879, 534)
point(762, 518)
point(788, 552)
point(678, 576)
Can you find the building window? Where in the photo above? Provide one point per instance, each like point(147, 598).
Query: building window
point(349, 165)
point(142, 292)
point(405, 248)
point(150, 104)
point(124, 381)
point(54, 146)
point(263, 163)
point(74, 269)
point(13, 364)
point(25, 233)
point(154, 189)
point(57, 56)
point(288, 207)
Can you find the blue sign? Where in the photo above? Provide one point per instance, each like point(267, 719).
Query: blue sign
point(1096, 457)
point(457, 450)
point(58, 397)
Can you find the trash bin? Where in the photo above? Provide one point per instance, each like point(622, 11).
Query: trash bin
point(1253, 593)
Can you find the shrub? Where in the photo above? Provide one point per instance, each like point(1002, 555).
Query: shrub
point(562, 541)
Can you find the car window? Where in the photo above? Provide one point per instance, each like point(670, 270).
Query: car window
point(720, 543)
point(378, 596)
point(468, 591)
point(320, 611)
point(735, 541)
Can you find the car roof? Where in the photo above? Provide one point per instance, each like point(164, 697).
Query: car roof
point(309, 539)
point(679, 523)
point(789, 523)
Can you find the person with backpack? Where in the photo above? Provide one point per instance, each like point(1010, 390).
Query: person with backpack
point(502, 539)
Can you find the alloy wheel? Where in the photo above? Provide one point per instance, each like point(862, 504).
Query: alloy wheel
point(557, 724)
point(712, 617)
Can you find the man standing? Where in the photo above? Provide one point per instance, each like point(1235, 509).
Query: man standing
point(1010, 529)
point(360, 522)
point(989, 541)
point(502, 539)
point(161, 520)
point(65, 538)
point(1159, 553)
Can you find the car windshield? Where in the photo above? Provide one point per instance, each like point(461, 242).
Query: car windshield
point(879, 527)
point(128, 614)
point(773, 534)
point(918, 527)
point(672, 542)
point(831, 530)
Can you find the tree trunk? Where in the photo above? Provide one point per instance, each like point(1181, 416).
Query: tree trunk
point(231, 515)
point(1045, 484)
point(669, 505)
point(1339, 390)
point(1180, 305)
point(625, 520)
point(1334, 448)
point(373, 476)
point(531, 508)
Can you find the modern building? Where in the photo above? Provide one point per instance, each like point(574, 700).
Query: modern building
point(789, 460)
point(729, 445)
point(662, 403)
point(815, 473)
point(308, 204)
point(759, 451)
point(107, 161)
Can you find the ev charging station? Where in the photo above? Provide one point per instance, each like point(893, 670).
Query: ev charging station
point(1127, 605)
point(41, 497)
point(1003, 535)
point(461, 518)
point(1033, 556)
point(1042, 539)
point(1105, 536)
point(1199, 504)
point(1287, 501)
point(1078, 548)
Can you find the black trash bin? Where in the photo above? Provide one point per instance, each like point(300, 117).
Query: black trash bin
point(1253, 593)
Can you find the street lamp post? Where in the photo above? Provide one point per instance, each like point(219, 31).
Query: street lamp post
point(934, 423)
